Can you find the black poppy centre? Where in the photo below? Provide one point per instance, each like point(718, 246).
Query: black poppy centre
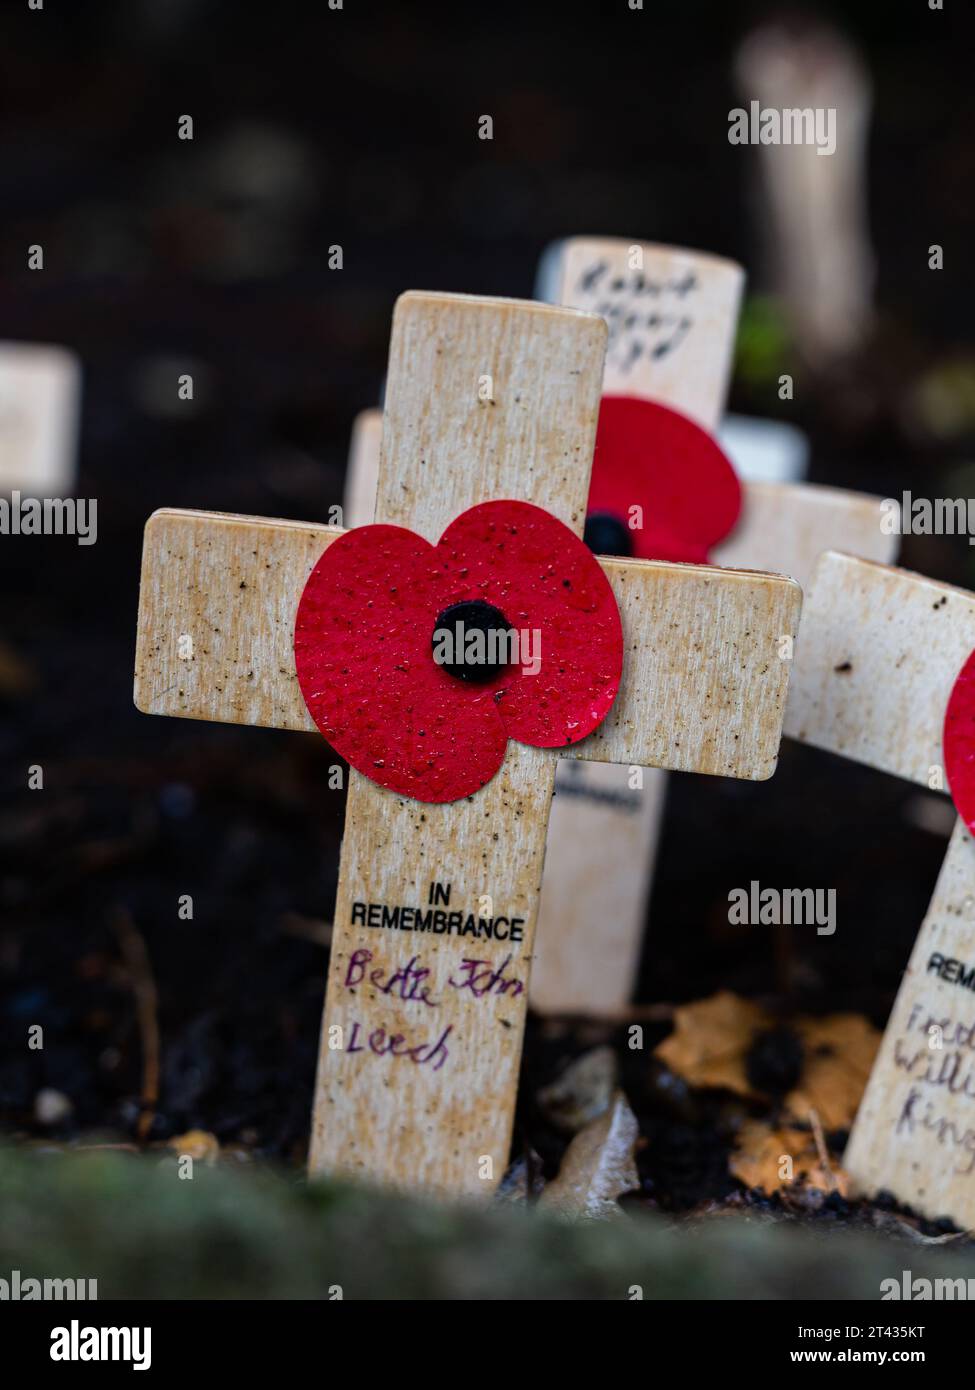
point(606, 534)
point(474, 641)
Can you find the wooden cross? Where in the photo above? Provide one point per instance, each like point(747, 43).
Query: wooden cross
point(672, 316)
point(40, 390)
point(410, 1092)
point(880, 649)
point(603, 831)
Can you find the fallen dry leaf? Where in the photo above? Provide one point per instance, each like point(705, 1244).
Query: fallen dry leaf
point(758, 1160)
point(710, 1042)
point(197, 1144)
point(598, 1166)
point(839, 1053)
point(583, 1091)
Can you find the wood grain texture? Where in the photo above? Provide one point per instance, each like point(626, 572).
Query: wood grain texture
point(703, 686)
point(878, 654)
point(445, 449)
point(785, 527)
point(40, 400)
point(231, 584)
point(672, 322)
point(915, 1130)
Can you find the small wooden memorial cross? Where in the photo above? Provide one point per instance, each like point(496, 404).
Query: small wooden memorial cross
point(416, 1085)
point(879, 654)
point(672, 316)
point(40, 390)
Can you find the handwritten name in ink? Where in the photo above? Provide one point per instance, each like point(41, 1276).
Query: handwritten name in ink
point(919, 1114)
point(633, 306)
point(409, 982)
point(481, 978)
point(936, 1054)
point(435, 918)
point(383, 1043)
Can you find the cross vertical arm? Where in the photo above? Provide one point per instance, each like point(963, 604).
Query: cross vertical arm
point(483, 399)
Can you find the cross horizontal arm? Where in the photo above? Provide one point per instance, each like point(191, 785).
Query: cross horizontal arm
point(878, 655)
point(703, 687)
point(705, 669)
point(785, 527)
point(231, 585)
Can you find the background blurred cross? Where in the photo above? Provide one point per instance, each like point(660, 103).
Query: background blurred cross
point(40, 402)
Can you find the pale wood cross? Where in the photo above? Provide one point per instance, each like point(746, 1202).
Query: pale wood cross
point(672, 316)
point(880, 649)
point(416, 1087)
point(603, 830)
point(40, 390)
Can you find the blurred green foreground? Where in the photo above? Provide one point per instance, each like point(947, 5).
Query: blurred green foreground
point(143, 1232)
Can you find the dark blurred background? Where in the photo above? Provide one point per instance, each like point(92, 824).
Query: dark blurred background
point(358, 127)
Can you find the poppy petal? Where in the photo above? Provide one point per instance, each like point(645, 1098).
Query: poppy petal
point(655, 458)
point(554, 593)
point(365, 668)
point(958, 742)
point(364, 647)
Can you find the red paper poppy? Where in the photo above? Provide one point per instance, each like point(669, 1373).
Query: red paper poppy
point(364, 647)
point(657, 459)
point(958, 743)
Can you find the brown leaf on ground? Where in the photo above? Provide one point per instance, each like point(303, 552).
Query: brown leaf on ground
point(712, 1037)
point(759, 1153)
point(710, 1041)
point(197, 1144)
point(598, 1166)
point(839, 1054)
